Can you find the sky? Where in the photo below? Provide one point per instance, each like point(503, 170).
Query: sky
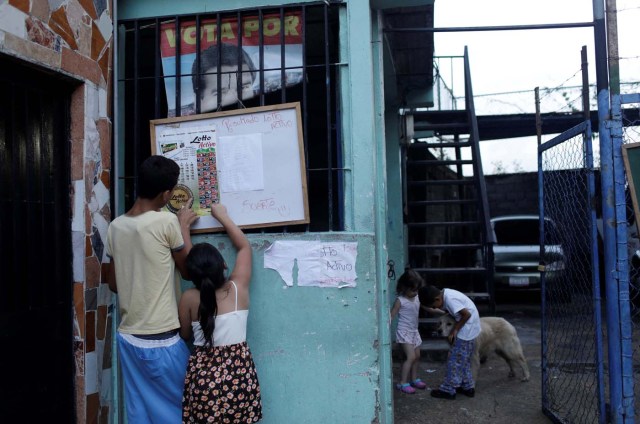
point(507, 66)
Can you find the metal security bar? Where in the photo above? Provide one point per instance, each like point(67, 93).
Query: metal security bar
point(572, 364)
point(238, 59)
point(631, 134)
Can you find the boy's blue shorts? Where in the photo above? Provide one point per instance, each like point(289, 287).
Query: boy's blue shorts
point(153, 372)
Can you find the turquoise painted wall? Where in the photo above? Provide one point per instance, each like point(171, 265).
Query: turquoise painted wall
point(315, 348)
point(395, 227)
point(323, 354)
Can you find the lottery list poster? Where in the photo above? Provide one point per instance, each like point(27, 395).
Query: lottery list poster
point(195, 150)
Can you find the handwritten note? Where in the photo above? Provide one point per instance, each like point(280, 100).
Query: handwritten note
point(240, 165)
point(321, 264)
point(277, 120)
point(269, 205)
point(235, 123)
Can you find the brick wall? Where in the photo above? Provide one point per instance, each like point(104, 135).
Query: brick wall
point(512, 194)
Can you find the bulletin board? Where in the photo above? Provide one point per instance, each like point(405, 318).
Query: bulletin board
point(250, 160)
point(631, 157)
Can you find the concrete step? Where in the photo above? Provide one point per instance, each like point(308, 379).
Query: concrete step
point(435, 349)
point(432, 349)
point(427, 321)
point(434, 344)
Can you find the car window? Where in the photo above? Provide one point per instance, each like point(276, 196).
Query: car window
point(524, 232)
point(515, 232)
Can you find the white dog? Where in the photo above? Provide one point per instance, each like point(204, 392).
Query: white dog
point(496, 335)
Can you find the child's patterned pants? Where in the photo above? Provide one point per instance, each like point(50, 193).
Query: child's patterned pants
point(459, 367)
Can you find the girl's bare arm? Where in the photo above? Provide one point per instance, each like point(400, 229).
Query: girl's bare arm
point(241, 273)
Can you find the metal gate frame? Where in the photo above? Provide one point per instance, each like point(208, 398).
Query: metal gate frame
point(573, 387)
point(614, 396)
point(623, 375)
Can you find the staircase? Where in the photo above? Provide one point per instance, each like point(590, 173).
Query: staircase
point(446, 208)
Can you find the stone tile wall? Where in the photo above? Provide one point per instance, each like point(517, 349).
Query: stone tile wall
point(75, 38)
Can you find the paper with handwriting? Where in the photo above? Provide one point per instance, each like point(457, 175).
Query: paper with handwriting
point(321, 264)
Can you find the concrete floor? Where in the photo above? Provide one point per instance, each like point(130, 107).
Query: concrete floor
point(499, 399)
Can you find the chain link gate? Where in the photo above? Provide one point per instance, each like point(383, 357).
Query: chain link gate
point(572, 353)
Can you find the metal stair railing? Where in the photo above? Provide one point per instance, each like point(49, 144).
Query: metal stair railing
point(433, 343)
point(485, 216)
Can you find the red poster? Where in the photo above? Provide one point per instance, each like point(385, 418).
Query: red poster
point(274, 30)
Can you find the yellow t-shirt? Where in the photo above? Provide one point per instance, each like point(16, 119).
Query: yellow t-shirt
point(140, 247)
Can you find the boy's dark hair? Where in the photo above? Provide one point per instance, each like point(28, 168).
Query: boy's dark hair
point(428, 295)
point(410, 279)
point(157, 174)
point(205, 266)
point(228, 56)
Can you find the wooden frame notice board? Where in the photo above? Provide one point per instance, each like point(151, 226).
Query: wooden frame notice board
point(250, 160)
point(631, 157)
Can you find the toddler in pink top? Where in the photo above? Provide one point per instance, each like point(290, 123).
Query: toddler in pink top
point(407, 308)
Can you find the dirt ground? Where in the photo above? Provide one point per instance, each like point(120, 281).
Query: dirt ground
point(498, 400)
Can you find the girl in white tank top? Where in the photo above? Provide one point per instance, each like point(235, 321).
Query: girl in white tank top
point(221, 380)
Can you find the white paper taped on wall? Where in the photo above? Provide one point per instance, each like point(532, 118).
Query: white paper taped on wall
point(320, 264)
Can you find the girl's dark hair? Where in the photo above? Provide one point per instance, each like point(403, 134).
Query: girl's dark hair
point(205, 266)
point(410, 279)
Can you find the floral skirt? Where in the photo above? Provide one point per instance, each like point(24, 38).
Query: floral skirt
point(221, 386)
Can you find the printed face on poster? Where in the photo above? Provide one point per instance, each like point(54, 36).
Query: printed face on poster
point(233, 63)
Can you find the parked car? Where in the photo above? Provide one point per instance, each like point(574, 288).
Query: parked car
point(517, 254)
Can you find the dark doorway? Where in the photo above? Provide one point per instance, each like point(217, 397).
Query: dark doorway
point(36, 279)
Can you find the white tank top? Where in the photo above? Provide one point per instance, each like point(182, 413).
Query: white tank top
point(231, 328)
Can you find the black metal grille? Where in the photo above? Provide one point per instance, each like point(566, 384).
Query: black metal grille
point(152, 87)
